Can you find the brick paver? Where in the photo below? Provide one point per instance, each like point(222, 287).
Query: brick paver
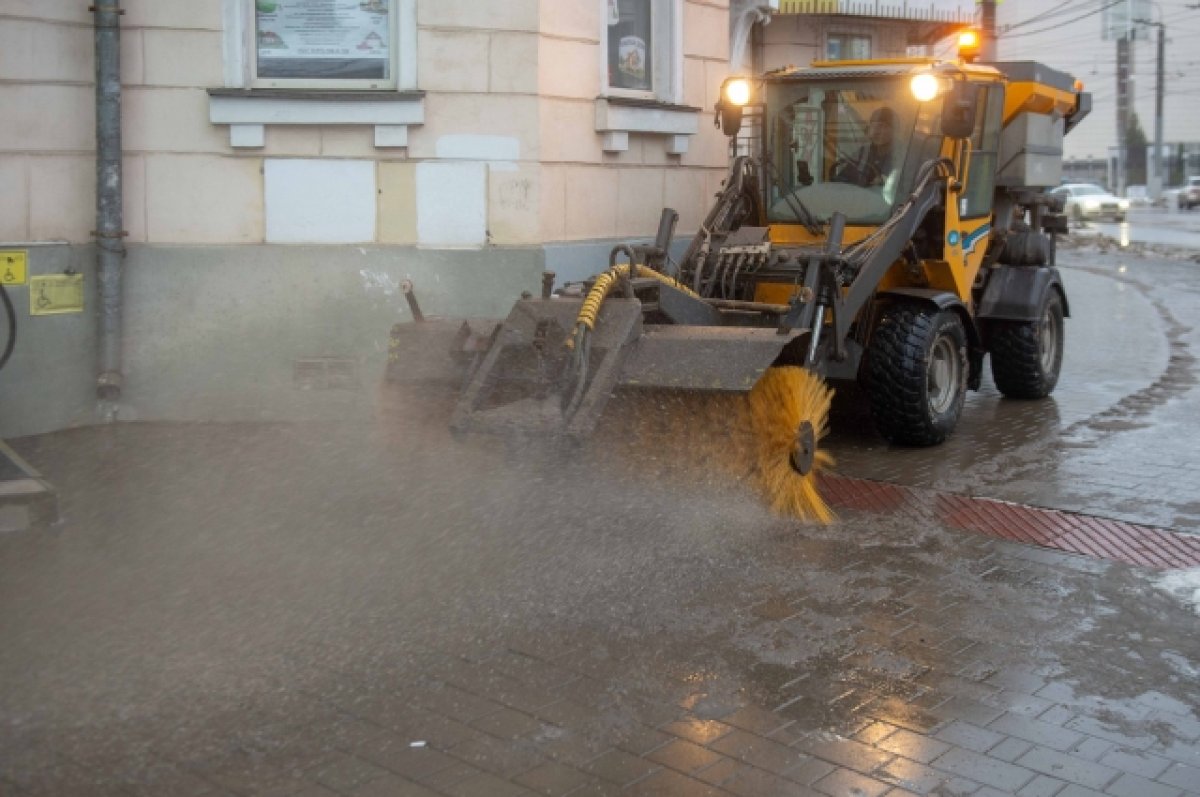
point(386, 611)
point(1068, 768)
point(1129, 785)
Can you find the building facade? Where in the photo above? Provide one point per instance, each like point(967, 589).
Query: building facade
point(288, 164)
point(839, 30)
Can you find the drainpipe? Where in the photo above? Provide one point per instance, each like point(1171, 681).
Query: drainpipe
point(743, 14)
point(109, 232)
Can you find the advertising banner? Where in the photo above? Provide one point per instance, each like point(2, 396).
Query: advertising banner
point(323, 38)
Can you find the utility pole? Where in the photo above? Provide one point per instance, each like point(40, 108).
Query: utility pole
point(987, 24)
point(1158, 112)
point(1157, 178)
point(1123, 102)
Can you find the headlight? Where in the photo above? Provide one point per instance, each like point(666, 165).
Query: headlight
point(1091, 204)
point(738, 91)
point(925, 87)
point(1123, 204)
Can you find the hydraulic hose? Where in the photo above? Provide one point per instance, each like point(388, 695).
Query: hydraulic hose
point(604, 285)
point(580, 343)
point(12, 326)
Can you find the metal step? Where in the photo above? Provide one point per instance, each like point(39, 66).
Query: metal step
point(27, 500)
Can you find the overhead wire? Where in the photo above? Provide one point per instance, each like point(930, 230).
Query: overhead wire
point(1063, 22)
point(1057, 10)
point(1080, 51)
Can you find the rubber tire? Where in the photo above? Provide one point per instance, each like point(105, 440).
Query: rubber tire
point(898, 374)
point(1016, 352)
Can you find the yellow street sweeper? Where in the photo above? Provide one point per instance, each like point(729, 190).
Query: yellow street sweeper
point(883, 221)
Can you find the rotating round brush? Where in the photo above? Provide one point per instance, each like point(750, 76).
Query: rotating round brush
point(789, 414)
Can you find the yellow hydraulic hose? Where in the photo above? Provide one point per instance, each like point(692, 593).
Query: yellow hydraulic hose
point(604, 285)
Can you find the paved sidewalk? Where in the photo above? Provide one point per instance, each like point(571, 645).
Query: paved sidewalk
point(343, 610)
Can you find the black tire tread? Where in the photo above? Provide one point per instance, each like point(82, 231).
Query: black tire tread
point(1017, 362)
point(896, 383)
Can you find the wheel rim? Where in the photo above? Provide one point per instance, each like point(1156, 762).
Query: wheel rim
point(945, 372)
point(1048, 339)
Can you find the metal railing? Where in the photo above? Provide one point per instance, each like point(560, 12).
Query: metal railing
point(960, 12)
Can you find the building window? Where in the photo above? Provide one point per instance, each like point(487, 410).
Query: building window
point(630, 45)
point(847, 47)
point(642, 48)
point(344, 44)
point(366, 50)
point(641, 44)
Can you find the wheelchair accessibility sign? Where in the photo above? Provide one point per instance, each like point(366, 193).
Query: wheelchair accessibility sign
point(14, 267)
point(54, 294)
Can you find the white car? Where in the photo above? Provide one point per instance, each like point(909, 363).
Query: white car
point(1191, 193)
point(1086, 202)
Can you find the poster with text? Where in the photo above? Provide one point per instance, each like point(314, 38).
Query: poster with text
point(323, 39)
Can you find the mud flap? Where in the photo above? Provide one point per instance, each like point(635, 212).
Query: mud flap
point(1014, 293)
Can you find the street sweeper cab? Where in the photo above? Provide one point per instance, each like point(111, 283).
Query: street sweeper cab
point(883, 221)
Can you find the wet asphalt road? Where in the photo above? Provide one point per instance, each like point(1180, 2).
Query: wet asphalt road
point(383, 610)
point(1154, 226)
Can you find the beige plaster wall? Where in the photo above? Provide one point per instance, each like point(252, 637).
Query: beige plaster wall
point(799, 39)
point(170, 53)
point(524, 71)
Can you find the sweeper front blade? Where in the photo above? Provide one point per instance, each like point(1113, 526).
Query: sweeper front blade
point(532, 382)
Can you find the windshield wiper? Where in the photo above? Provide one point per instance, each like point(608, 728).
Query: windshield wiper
point(805, 216)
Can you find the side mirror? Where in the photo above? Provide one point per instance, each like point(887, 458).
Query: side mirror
point(731, 118)
point(959, 109)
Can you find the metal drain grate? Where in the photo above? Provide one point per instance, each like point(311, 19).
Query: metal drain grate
point(1099, 538)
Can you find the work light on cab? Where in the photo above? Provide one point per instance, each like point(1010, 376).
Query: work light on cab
point(738, 91)
point(968, 45)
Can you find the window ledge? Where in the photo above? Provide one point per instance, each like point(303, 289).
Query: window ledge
point(617, 117)
point(248, 111)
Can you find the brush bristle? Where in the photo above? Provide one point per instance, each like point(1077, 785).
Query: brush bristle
point(784, 398)
point(712, 438)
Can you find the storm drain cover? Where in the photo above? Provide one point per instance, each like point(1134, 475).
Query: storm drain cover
point(1099, 538)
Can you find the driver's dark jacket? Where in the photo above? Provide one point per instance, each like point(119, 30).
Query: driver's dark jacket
point(871, 166)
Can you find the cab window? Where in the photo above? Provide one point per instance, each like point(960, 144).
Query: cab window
point(985, 143)
point(850, 145)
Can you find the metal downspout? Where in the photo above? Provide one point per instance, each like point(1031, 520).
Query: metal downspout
point(109, 232)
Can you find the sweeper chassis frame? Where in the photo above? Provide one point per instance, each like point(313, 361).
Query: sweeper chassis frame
point(655, 335)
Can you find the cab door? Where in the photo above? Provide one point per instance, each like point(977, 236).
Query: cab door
point(975, 201)
point(969, 215)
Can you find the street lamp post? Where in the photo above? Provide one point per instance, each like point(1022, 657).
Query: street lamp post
point(1156, 179)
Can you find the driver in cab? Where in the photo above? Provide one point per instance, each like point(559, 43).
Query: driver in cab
point(873, 163)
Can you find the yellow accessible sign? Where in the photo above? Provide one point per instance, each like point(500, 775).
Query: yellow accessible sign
point(14, 266)
point(56, 293)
